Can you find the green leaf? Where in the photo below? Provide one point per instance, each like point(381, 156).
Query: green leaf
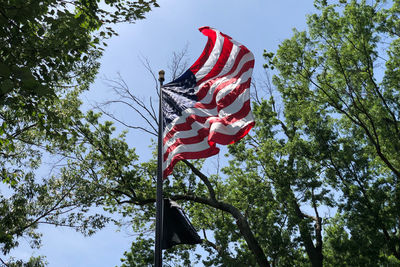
point(40, 32)
point(6, 86)
point(4, 70)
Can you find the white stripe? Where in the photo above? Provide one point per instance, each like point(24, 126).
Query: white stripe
point(213, 58)
point(208, 98)
point(231, 60)
point(234, 128)
point(203, 145)
point(186, 113)
point(196, 126)
point(228, 64)
point(229, 88)
point(236, 105)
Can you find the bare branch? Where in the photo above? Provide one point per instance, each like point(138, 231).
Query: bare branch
point(146, 65)
point(112, 116)
point(179, 62)
point(218, 249)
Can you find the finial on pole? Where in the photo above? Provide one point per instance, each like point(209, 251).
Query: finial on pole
point(161, 76)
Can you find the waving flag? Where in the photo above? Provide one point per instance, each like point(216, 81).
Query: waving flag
point(210, 103)
point(177, 229)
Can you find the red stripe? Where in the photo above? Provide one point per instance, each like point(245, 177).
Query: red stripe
point(184, 126)
point(202, 92)
point(231, 97)
point(212, 104)
point(243, 112)
point(212, 37)
point(213, 150)
point(225, 139)
point(220, 64)
point(235, 116)
point(203, 132)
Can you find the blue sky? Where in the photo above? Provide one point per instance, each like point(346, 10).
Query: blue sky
point(258, 24)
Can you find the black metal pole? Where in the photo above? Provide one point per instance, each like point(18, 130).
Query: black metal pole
point(159, 194)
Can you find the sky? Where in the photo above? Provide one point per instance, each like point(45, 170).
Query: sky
point(258, 24)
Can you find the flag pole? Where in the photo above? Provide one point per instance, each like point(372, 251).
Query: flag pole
point(159, 194)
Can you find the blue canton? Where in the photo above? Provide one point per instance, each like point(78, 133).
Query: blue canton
point(178, 96)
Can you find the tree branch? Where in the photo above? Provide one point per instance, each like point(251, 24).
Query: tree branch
point(202, 177)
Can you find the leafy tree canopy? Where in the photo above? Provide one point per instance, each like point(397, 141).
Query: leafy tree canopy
point(49, 55)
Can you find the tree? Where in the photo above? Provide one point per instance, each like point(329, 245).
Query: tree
point(49, 48)
point(326, 141)
point(50, 51)
point(346, 63)
point(46, 43)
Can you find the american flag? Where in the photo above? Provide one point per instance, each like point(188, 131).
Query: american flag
point(210, 103)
